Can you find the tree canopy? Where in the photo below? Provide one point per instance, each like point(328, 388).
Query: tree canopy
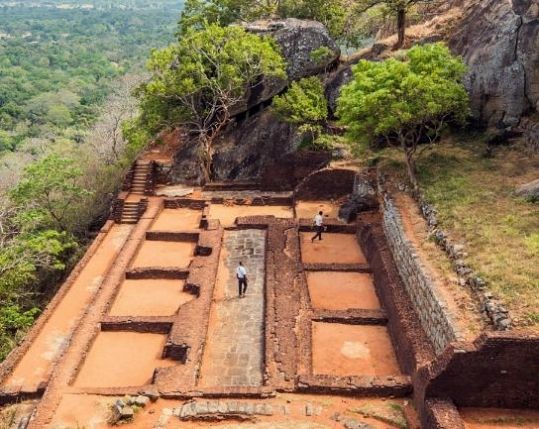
point(398, 8)
point(405, 100)
point(304, 105)
point(197, 81)
point(197, 13)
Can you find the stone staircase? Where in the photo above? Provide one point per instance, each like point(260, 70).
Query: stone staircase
point(130, 212)
point(140, 177)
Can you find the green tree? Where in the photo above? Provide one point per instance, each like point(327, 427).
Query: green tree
point(304, 105)
point(405, 101)
point(49, 190)
point(398, 8)
point(198, 13)
point(197, 82)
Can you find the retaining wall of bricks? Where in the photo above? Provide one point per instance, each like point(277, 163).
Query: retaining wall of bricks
point(411, 344)
point(497, 370)
point(428, 304)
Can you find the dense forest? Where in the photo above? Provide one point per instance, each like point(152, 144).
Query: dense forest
point(67, 70)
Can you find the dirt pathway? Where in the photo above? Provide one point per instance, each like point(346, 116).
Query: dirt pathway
point(235, 342)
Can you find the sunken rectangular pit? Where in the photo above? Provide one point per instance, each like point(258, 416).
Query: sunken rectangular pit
point(227, 214)
point(333, 290)
point(177, 220)
point(150, 297)
point(122, 359)
point(165, 254)
point(332, 249)
point(496, 418)
point(352, 350)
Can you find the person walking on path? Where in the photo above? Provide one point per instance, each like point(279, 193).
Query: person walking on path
point(318, 226)
point(241, 274)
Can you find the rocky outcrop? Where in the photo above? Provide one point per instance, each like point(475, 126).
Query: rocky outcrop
point(256, 139)
point(529, 191)
point(241, 152)
point(297, 40)
point(499, 40)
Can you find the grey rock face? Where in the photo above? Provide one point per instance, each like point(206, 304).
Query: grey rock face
point(499, 40)
point(530, 191)
point(241, 151)
point(298, 39)
point(247, 146)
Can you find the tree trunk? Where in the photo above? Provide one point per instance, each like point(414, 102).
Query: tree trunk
point(410, 165)
point(401, 28)
point(206, 156)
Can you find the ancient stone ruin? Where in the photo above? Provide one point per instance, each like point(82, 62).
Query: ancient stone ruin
point(347, 332)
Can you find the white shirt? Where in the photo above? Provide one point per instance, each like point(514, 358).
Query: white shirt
point(241, 272)
point(318, 220)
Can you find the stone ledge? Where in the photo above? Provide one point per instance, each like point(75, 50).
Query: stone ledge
point(351, 317)
point(157, 273)
point(242, 392)
point(188, 236)
point(358, 268)
point(397, 386)
point(148, 324)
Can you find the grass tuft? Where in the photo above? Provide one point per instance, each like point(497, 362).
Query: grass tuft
point(476, 203)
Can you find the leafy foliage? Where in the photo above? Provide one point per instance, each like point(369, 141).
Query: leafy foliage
point(49, 191)
point(304, 105)
point(65, 82)
point(198, 13)
point(405, 100)
point(58, 65)
point(199, 80)
point(397, 8)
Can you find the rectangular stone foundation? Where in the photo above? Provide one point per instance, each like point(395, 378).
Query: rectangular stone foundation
point(348, 350)
point(122, 359)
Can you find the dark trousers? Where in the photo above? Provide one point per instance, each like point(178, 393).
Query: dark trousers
point(242, 286)
point(319, 230)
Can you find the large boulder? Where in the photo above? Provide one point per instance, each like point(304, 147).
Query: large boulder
point(297, 39)
point(499, 41)
point(529, 191)
point(242, 151)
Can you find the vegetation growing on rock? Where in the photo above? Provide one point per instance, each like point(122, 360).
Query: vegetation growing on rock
point(197, 82)
point(405, 101)
point(304, 105)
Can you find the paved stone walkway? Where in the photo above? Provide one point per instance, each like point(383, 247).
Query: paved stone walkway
point(234, 349)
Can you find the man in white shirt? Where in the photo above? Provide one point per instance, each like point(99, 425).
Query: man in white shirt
point(241, 274)
point(318, 223)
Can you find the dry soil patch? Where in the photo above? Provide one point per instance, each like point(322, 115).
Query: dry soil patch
point(177, 220)
point(308, 209)
point(166, 254)
point(227, 215)
point(332, 249)
point(341, 291)
point(122, 359)
point(487, 418)
point(346, 350)
point(155, 297)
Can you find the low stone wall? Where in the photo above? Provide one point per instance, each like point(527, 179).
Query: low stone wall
point(497, 370)
point(428, 305)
